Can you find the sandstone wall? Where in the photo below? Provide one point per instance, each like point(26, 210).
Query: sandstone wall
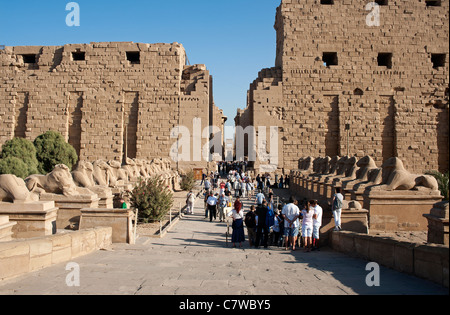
point(388, 83)
point(110, 100)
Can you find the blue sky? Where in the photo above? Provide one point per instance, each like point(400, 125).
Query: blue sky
point(235, 39)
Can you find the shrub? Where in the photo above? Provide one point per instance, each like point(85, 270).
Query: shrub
point(188, 181)
point(23, 150)
point(442, 180)
point(14, 166)
point(152, 198)
point(51, 150)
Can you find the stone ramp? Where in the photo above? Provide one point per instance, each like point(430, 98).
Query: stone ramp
point(193, 260)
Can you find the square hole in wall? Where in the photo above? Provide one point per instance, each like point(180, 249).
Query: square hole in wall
point(385, 60)
point(326, 1)
point(433, 3)
point(78, 56)
point(330, 58)
point(438, 60)
point(382, 2)
point(134, 57)
point(29, 59)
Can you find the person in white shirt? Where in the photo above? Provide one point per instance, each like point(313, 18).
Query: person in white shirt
point(307, 226)
point(317, 223)
point(212, 206)
point(337, 208)
point(260, 197)
point(291, 215)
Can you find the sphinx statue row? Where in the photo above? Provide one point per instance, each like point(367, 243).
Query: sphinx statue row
point(87, 178)
point(319, 177)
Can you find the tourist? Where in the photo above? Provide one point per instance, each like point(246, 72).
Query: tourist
point(205, 199)
point(222, 187)
point(250, 223)
point(223, 203)
point(123, 204)
point(260, 197)
point(278, 227)
point(243, 188)
point(190, 201)
point(291, 215)
point(238, 204)
point(262, 230)
point(203, 178)
point(207, 184)
point(270, 196)
point(317, 223)
point(238, 235)
point(281, 182)
point(212, 206)
point(338, 199)
point(249, 189)
point(237, 188)
point(228, 195)
point(287, 181)
point(307, 226)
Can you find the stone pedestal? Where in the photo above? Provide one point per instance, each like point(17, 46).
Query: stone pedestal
point(6, 228)
point(438, 224)
point(399, 210)
point(352, 220)
point(34, 219)
point(119, 219)
point(70, 208)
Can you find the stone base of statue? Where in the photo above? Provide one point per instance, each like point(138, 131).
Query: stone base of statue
point(353, 220)
point(34, 219)
point(119, 219)
point(399, 210)
point(438, 220)
point(70, 208)
point(6, 228)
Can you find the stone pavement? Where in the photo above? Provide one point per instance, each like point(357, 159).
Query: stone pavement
point(193, 260)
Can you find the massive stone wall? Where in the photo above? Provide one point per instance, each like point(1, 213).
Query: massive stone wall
point(110, 100)
point(387, 83)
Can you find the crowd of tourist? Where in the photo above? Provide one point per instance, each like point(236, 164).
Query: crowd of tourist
point(291, 225)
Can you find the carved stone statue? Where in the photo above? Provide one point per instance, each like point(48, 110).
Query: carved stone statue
point(349, 171)
point(365, 165)
point(396, 177)
point(103, 175)
point(118, 171)
point(59, 181)
point(13, 189)
point(83, 177)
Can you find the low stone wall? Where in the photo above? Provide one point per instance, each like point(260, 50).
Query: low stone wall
point(425, 261)
point(24, 256)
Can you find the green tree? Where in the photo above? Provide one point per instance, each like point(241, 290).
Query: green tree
point(23, 150)
point(14, 166)
point(152, 198)
point(51, 150)
point(188, 181)
point(442, 180)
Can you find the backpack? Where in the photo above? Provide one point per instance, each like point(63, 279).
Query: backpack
point(337, 204)
point(270, 217)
